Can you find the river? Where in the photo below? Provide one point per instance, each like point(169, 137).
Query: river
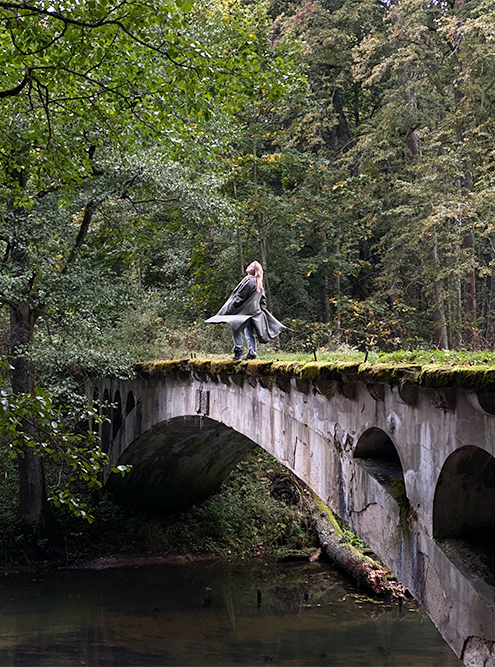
point(209, 613)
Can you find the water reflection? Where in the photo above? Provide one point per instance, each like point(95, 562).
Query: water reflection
point(208, 613)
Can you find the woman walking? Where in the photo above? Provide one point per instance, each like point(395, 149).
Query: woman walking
point(245, 311)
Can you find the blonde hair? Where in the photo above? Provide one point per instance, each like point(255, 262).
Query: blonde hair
point(258, 274)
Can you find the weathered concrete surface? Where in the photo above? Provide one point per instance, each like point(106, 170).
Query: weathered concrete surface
point(343, 447)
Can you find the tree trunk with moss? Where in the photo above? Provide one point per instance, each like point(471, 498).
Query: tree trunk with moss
point(364, 570)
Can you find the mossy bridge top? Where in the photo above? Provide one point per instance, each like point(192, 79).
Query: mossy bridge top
point(404, 453)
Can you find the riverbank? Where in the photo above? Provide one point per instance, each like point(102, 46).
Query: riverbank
point(258, 510)
point(261, 510)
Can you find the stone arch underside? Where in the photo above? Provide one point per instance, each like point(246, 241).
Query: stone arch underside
point(177, 463)
point(464, 503)
point(378, 455)
point(464, 511)
point(106, 427)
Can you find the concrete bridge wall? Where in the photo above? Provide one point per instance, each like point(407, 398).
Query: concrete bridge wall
point(411, 470)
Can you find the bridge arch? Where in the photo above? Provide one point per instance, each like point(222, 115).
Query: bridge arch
point(116, 417)
point(106, 427)
point(377, 454)
point(464, 501)
point(331, 440)
point(178, 462)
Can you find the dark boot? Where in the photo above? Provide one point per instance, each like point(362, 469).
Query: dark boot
point(250, 355)
point(237, 353)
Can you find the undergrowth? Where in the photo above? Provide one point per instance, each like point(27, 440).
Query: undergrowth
point(258, 510)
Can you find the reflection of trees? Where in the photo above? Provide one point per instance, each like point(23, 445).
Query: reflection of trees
point(316, 590)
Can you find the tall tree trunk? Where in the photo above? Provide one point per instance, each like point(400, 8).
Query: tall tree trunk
point(34, 513)
point(469, 285)
point(240, 250)
point(326, 314)
point(340, 131)
point(33, 506)
point(337, 288)
point(464, 184)
point(440, 339)
point(489, 310)
point(260, 225)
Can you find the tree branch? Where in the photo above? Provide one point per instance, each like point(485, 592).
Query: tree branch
point(91, 207)
point(106, 21)
point(42, 48)
point(12, 92)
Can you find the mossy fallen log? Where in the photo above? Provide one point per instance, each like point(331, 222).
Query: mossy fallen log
point(364, 570)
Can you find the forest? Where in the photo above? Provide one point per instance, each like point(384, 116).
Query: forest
point(148, 153)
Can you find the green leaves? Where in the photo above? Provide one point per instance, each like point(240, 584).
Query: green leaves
point(54, 433)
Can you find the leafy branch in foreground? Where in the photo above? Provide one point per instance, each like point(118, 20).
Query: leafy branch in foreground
point(60, 434)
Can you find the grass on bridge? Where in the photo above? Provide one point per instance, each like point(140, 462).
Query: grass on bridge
point(428, 368)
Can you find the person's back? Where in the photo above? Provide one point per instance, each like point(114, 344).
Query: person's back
point(245, 311)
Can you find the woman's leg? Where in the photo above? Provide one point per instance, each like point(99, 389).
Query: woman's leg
point(237, 336)
point(251, 339)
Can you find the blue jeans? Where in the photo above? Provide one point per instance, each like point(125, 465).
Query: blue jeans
point(248, 329)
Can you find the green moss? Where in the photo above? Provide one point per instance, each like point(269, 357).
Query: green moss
point(327, 370)
point(214, 365)
point(329, 516)
point(392, 373)
point(339, 531)
point(161, 366)
point(259, 366)
point(284, 367)
point(479, 377)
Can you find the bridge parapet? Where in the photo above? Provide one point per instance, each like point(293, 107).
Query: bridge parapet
point(404, 454)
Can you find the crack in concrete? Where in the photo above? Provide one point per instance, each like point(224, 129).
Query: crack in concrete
point(355, 511)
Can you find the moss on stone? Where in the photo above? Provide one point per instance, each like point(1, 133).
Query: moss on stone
point(161, 366)
point(479, 377)
point(259, 366)
point(214, 365)
point(284, 367)
point(392, 373)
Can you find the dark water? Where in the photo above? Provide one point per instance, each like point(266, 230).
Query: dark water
point(261, 613)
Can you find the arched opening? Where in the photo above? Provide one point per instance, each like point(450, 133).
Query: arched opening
point(116, 414)
point(486, 400)
point(177, 463)
point(96, 408)
point(464, 505)
point(106, 427)
point(376, 452)
point(130, 403)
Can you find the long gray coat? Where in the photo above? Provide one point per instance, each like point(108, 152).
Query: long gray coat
point(246, 303)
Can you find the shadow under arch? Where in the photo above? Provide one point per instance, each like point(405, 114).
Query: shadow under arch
point(116, 414)
point(130, 403)
point(464, 509)
point(177, 463)
point(464, 502)
point(377, 454)
point(106, 427)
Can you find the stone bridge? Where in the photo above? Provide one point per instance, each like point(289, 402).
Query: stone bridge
point(404, 455)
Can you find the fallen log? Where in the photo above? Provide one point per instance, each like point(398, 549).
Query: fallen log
point(363, 569)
